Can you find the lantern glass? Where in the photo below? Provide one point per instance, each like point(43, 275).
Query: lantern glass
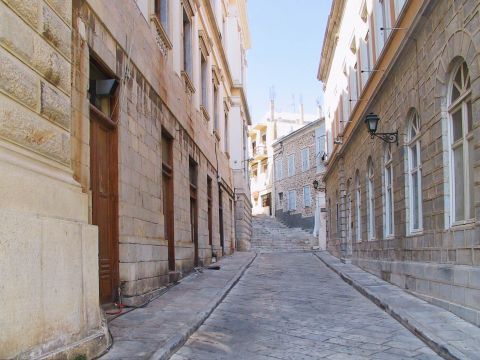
point(372, 122)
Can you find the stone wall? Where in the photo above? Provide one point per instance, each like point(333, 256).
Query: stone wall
point(303, 216)
point(49, 261)
point(151, 100)
point(440, 264)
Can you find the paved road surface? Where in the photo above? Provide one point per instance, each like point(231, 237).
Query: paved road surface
point(291, 306)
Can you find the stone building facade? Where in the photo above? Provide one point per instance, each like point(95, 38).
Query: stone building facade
point(118, 172)
point(297, 170)
point(261, 137)
point(407, 211)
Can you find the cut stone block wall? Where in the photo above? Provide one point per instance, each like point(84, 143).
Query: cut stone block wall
point(49, 261)
point(441, 263)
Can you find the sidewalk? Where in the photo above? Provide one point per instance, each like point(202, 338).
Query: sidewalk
point(156, 331)
point(446, 333)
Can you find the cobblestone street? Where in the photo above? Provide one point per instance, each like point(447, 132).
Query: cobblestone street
point(291, 306)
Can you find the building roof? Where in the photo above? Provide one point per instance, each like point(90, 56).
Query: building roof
point(298, 131)
point(330, 39)
point(289, 116)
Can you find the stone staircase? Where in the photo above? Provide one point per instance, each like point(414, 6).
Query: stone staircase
point(270, 235)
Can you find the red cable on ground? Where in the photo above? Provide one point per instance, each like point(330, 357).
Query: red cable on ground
point(119, 311)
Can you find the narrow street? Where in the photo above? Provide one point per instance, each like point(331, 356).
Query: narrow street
point(291, 306)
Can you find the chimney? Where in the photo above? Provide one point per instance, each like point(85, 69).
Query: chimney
point(320, 112)
point(301, 114)
point(319, 107)
point(272, 103)
point(272, 110)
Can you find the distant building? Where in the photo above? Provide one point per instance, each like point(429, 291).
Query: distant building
point(260, 139)
point(297, 172)
point(407, 211)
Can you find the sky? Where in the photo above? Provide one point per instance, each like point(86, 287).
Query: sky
point(287, 37)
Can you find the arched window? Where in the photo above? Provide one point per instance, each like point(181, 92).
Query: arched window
point(388, 190)
point(337, 215)
point(370, 201)
point(349, 213)
point(358, 218)
point(414, 174)
point(461, 141)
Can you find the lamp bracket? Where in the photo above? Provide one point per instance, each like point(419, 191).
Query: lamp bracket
point(387, 137)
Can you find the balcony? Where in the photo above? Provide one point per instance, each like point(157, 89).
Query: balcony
point(260, 152)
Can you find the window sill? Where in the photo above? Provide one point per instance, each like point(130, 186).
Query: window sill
point(413, 233)
point(162, 38)
point(463, 225)
point(188, 82)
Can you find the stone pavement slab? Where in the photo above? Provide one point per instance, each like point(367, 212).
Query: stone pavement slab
point(291, 306)
point(158, 329)
point(446, 333)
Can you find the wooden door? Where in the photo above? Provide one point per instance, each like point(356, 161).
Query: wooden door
point(103, 167)
point(193, 209)
point(220, 219)
point(167, 170)
point(193, 226)
point(210, 214)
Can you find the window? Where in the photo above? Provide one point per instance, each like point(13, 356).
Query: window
point(337, 215)
point(345, 109)
point(358, 215)
point(291, 165)
point(370, 201)
point(461, 140)
point(292, 200)
point(264, 165)
point(305, 159)
point(398, 7)
point(161, 11)
point(204, 77)
point(414, 174)
point(215, 108)
point(278, 169)
point(388, 191)
point(187, 44)
point(226, 135)
point(319, 147)
point(280, 198)
point(307, 197)
point(383, 24)
point(348, 205)
point(365, 65)
point(353, 87)
point(254, 171)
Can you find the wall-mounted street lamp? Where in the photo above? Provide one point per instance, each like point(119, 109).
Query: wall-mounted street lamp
point(316, 186)
point(371, 120)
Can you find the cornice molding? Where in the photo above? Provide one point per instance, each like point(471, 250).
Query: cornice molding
point(217, 40)
point(188, 6)
point(409, 19)
point(205, 43)
point(330, 39)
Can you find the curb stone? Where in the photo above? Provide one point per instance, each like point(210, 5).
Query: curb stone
point(178, 340)
point(401, 313)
